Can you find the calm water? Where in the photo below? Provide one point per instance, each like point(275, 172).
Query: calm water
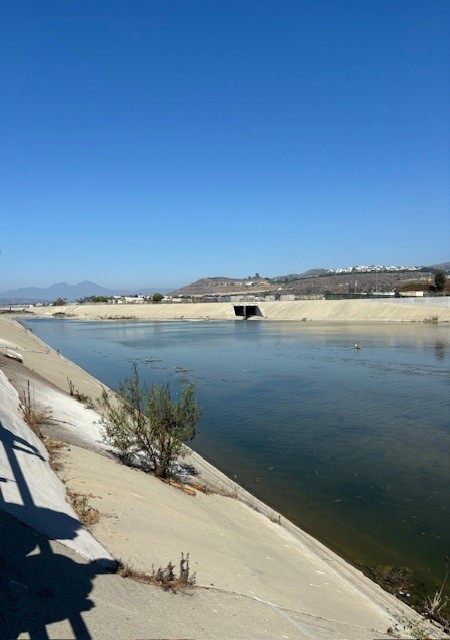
point(353, 446)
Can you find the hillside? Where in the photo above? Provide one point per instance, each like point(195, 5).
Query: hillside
point(313, 282)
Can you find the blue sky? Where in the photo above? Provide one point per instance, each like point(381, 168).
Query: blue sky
point(153, 142)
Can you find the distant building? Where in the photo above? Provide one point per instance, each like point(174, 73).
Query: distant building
point(411, 294)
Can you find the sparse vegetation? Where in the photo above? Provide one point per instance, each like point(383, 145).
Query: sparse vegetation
point(399, 581)
point(197, 486)
point(162, 577)
point(229, 490)
point(392, 579)
point(141, 420)
point(81, 397)
point(71, 386)
point(434, 606)
point(316, 282)
point(54, 447)
point(33, 414)
point(94, 300)
point(80, 502)
point(414, 627)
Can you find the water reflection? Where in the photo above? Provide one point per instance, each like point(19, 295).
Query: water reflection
point(440, 347)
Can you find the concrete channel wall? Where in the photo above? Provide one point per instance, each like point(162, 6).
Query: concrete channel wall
point(303, 310)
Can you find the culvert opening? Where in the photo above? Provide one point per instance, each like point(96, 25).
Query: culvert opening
point(247, 310)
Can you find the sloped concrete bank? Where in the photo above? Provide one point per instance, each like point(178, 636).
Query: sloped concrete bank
point(30, 490)
point(304, 310)
point(351, 311)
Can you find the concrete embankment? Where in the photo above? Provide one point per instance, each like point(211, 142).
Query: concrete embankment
point(302, 310)
point(257, 578)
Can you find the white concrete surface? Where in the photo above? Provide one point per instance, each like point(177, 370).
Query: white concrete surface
point(30, 490)
point(306, 310)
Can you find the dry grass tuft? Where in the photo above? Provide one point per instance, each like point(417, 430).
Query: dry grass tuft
point(182, 487)
point(33, 414)
point(81, 397)
point(54, 447)
point(162, 577)
point(87, 514)
point(435, 605)
point(200, 487)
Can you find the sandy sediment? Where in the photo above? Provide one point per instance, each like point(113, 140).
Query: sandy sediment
point(305, 310)
point(258, 576)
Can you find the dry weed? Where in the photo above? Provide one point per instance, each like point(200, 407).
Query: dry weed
point(434, 605)
point(162, 577)
point(182, 487)
point(201, 487)
point(81, 397)
point(54, 447)
point(87, 514)
point(33, 414)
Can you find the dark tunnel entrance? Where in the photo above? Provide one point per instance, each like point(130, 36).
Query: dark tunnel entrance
point(247, 310)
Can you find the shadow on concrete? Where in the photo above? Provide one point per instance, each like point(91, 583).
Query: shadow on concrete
point(38, 586)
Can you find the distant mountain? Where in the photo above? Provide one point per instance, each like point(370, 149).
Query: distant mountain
point(443, 265)
point(68, 291)
point(311, 273)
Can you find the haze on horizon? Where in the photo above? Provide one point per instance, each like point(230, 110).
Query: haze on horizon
point(154, 143)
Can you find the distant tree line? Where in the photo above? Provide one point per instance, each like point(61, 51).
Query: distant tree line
point(60, 302)
point(93, 299)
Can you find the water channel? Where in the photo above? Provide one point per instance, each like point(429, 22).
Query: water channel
point(353, 445)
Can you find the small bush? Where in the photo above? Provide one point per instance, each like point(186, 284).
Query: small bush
point(141, 420)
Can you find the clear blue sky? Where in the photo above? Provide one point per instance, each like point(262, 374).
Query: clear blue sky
point(153, 142)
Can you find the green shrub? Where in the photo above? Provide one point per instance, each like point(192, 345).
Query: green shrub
point(146, 420)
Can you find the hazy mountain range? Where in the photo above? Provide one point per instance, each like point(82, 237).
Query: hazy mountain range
point(68, 291)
